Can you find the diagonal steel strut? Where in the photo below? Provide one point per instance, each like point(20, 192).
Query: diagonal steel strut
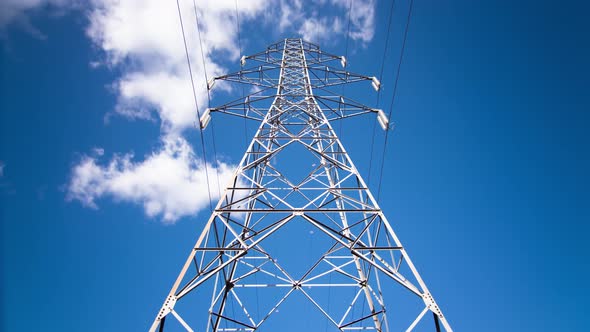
point(262, 199)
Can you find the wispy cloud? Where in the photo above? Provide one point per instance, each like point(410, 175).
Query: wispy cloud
point(12, 10)
point(141, 39)
point(319, 29)
point(326, 21)
point(170, 183)
point(155, 83)
point(155, 80)
point(362, 18)
point(16, 12)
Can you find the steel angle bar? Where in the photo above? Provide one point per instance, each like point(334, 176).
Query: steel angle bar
point(393, 275)
point(331, 160)
point(373, 314)
point(350, 306)
point(335, 269)
point(273, 309)
point(367, 225)
point(259, 191)
point(181, 321)
point(313, 202)
point(206, 276)
point(264, 200)
point(319, 307)
point(261, 270)
point(296, 209)
point(350, 200)
point(232, 320)
point(415, 322)
point(378, 297)
point(268, 155)
point(242, 306)
point(366, 219)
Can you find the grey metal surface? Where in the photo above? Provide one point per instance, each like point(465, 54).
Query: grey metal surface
point(239, 259)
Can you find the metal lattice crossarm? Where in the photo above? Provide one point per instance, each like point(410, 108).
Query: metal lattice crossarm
point(269, 62)
point(255, 106)
point(248, 262)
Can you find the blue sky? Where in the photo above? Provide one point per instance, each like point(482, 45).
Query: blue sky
point(485, 173)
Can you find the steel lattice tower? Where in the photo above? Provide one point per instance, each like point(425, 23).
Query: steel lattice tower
point(249, 261)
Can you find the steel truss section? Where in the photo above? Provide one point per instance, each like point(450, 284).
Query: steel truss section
point(237, 258)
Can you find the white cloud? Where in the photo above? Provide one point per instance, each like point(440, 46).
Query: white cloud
point(290, 13)
point(17, 13)
point(362, 19)
point(128, 29)
point(320, 29)
point(317, 23)
point(143, 37)
point(11, 10)
point(170, 95)
point(155, 82)
point(142, 40)
point(156, 79)
point(170, 182)
point(98, 151)
point(2, 165)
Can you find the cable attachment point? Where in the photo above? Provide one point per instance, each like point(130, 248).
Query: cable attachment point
point(375, 83)
point(211, 83)
point(382, 119)
point(205, 118)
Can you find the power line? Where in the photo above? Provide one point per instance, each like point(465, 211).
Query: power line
point(379, 92)
point(245, 125)
point(318, 26)
point(393, 96)
point(226, 243)
point(208, 94)
point(241, 67)
point(346, 52)
point(348, 27)
point(188, 60)
point(340, 125)
point(385, 48)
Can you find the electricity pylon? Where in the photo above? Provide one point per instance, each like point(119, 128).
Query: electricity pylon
point(250, 268)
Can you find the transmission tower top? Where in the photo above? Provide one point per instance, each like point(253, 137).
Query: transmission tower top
point(304, 242)
point(265, 74)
